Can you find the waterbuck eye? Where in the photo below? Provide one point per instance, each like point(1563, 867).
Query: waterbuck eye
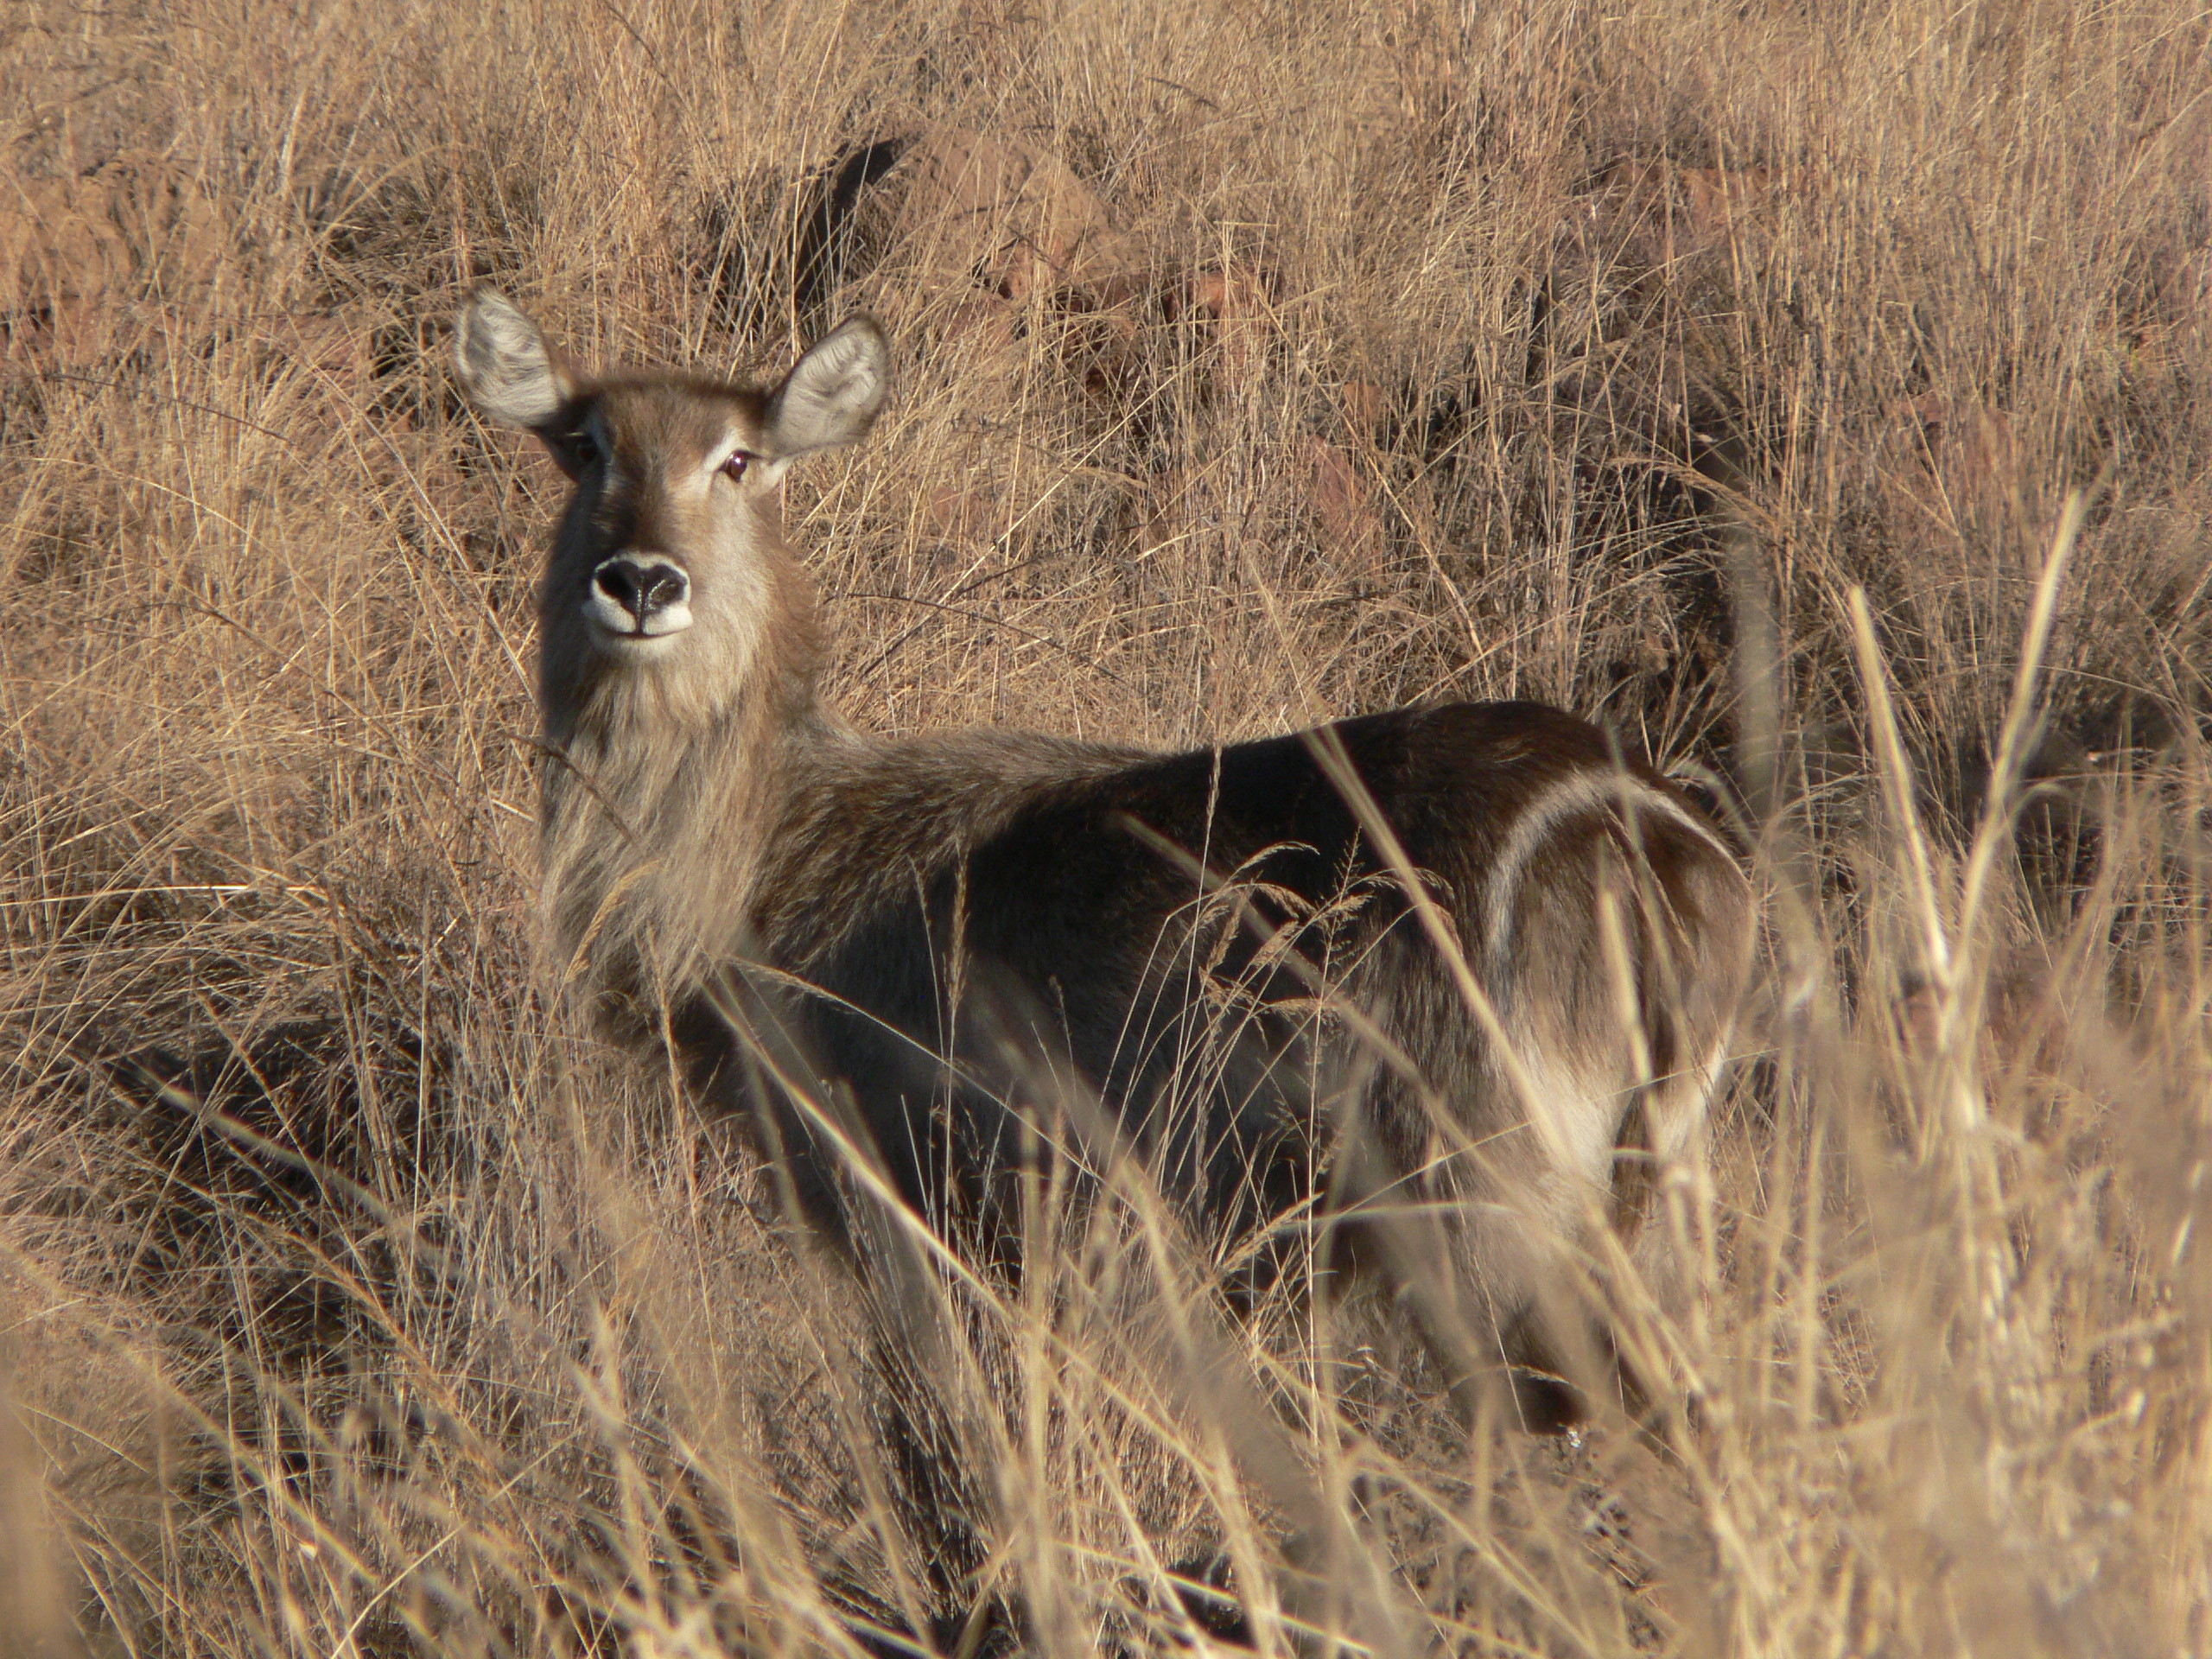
point(582, 441)
point(735, 466)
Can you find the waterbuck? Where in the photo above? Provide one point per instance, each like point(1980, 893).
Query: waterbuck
point(1452, 983)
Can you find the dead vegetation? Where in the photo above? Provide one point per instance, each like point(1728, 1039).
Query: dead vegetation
point(1261, 364)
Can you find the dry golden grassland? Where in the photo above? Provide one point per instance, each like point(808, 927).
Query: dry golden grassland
point(1742, 373)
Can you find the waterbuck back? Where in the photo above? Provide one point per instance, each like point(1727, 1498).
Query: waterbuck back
point(1459, 978)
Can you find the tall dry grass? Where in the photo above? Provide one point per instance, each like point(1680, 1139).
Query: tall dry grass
point(354, 1302)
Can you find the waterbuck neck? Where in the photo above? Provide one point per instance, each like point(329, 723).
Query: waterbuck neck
point(678, 639)
point(664, 785)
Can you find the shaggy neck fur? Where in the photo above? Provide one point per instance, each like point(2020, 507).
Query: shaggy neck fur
point(662, 792)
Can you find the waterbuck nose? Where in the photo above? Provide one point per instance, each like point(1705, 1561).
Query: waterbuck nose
point(642, 588)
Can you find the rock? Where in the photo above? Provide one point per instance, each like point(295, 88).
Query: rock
point(1343, 508)
point(1232, 306)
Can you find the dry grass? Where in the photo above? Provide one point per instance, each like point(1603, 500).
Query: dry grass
point(351, 1302)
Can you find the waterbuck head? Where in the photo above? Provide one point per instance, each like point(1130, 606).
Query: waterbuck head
point(668, 595)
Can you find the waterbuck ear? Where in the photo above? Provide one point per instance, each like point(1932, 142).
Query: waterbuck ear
point(508, 370)
point(833, 394)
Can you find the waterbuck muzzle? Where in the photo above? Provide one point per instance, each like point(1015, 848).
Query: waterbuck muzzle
point(637, 597)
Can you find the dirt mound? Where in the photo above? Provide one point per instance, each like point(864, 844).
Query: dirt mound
point(949, 208)
point(137, 227)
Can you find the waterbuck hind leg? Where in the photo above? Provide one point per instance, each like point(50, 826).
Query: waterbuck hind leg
point(1615, 963)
